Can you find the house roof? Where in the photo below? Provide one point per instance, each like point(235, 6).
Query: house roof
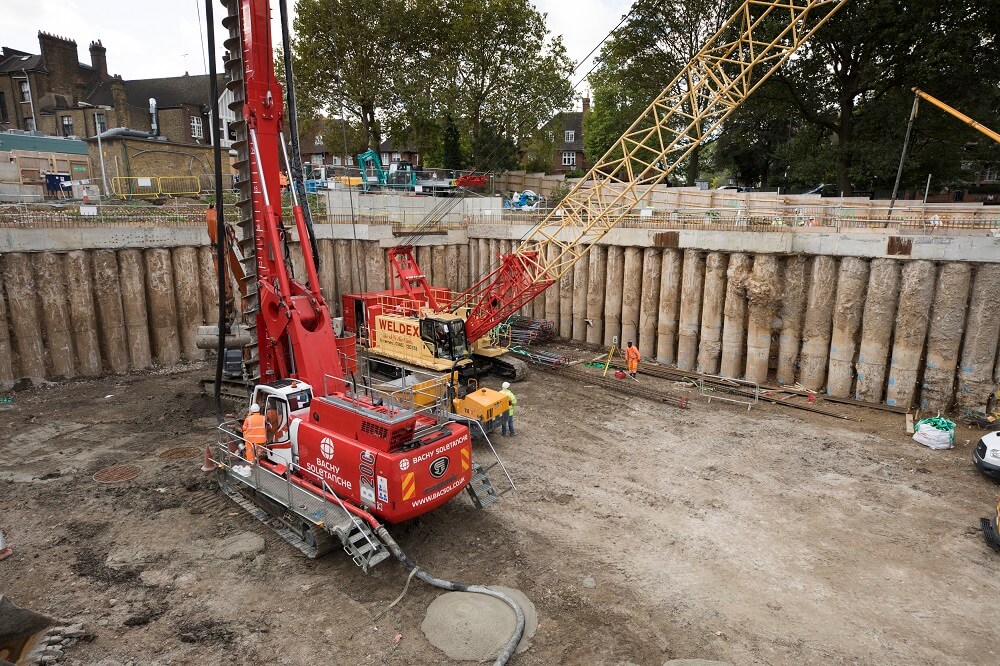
point(388, 146)
point(13, 60)
point(101, 95)
point(569, 120)
point(41, 144)
point(171, 91)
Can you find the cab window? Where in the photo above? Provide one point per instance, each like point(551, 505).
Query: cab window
point(459, 348)
point(276, 419)
point(300, 400)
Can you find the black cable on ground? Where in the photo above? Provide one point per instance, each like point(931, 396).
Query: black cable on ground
point(404, 559)
point(220, 223)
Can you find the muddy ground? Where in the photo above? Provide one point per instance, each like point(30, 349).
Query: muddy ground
point(641, 533)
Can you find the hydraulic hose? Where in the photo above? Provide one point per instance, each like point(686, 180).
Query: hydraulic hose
point(220, 223)
point(296, 176)
point(515, 638)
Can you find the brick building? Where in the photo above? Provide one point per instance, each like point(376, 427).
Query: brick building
point(314, 150)
point(567, 132)
point(53, 93)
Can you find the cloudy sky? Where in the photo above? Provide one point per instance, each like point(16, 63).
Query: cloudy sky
point(143, 43)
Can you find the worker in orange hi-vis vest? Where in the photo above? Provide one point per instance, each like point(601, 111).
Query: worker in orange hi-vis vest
point(632, 358)
point(254, 432)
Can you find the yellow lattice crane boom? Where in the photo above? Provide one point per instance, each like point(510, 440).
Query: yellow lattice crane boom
point(757, 39)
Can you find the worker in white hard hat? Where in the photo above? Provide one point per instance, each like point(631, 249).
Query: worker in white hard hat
point(507, 420)
point(254, 432)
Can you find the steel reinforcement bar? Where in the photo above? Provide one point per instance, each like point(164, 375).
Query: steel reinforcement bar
point(625, 386)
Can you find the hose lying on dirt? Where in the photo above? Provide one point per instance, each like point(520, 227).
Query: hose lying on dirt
point(398, 553)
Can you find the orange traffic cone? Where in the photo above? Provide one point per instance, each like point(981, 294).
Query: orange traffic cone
point(209, 464)
point(5, 550)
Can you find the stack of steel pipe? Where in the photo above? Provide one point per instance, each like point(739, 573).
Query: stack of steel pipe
point(528, 330)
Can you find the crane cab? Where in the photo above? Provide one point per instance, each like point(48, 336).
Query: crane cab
point(399, 329)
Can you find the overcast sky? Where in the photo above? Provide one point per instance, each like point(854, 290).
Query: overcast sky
point(143, 42)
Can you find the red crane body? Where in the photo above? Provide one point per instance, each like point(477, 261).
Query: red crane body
point(376, 456)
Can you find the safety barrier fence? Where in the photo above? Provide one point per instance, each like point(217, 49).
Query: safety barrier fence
point(777, 220)
point(137, 187)
point(77, 215)
point(174, 213)
point(134, 213)
point(739, 391)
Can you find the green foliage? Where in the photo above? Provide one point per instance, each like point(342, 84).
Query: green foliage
point(539, 149)
point(451, 140)
point(354, 55)
point(492, 150)
point(486, 70)
point(641, 59)
point(846, 96)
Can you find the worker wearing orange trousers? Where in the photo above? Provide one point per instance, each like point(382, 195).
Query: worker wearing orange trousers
point(254, 432)
point(632, 358)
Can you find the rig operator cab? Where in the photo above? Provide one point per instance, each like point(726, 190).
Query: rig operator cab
point(280, 401)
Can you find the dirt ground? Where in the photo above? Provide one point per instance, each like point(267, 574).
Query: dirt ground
point(641, 533)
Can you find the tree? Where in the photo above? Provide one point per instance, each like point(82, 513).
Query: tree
point(539, 148)
point(353, 55)
point(857, 70)
point(641, 59)
point(453, 156)
point(492, 67)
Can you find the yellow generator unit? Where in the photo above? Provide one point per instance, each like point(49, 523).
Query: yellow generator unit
point(481, 404)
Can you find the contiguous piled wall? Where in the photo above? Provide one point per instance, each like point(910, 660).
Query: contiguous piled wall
point(906, 331)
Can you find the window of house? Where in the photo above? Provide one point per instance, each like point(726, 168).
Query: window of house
point(316, 158)
point(29, 124)
point(4, 118)
point(395, 157)
point(552, 136)
point(350, 161)
point(336, 160)
point(196, 129)
point(569, 158)
point(385, 158)
point(25, 91)
point(67, 125)
point(570, 136)
point(100, 122)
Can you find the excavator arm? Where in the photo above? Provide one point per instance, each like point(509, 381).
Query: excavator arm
point(756, 40)
point(957, 114)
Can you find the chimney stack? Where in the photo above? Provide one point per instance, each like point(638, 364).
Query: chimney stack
point(586, 105)
point(99, 59)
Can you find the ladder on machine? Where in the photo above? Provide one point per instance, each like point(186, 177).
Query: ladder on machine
point(481, 488)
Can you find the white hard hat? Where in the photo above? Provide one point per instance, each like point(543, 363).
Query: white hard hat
point(505, 385)
point(254, 408)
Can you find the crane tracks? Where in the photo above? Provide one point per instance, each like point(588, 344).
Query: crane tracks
point(221, 503)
